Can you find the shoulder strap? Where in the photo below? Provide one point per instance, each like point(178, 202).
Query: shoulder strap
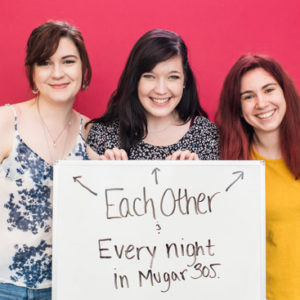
point(81, 123)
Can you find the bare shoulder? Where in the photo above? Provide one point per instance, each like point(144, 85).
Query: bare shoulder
point(6, 130)
point(6, 120)
point(85, 127)
point(6, 114)
point(85, 131)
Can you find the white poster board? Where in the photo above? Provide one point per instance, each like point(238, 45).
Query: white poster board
point(159, 230)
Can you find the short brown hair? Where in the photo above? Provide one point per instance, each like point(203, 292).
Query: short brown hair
point(43, 43)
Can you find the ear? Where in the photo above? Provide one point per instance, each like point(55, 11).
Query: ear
point(35, 90)
point(84, 85)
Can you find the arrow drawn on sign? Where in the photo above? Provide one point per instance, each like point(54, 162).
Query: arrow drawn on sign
point(76, 179)
point(155, 174)
point(241, 176)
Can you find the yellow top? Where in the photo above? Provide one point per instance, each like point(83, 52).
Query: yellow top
point(282, 230)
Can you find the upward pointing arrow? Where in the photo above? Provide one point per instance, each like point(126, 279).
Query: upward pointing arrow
point(155, 174)
point(241, 176)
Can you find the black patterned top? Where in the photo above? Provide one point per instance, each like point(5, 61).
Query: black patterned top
point(202, 138)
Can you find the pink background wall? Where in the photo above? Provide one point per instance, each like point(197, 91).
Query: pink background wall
point(216, 32)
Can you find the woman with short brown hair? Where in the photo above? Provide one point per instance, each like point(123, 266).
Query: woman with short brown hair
point(34, 134)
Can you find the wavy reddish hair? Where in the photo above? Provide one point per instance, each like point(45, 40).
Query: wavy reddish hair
point(236, 135)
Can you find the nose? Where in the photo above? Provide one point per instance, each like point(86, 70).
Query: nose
point(57, 71)
point(261, 101)
point(161, 86)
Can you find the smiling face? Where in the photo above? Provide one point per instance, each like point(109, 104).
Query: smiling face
point(60, 77)
point(160, 90)
point(262, 101)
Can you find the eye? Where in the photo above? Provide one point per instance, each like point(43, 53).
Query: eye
point(44, 63)
point(148, 76)
point(247, 96)
point(269, 90)
point(69, 61)
point(174, 77)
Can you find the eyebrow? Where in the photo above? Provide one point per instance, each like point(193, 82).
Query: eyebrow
point(173, 71)
point(263, 87)
point(70, 55)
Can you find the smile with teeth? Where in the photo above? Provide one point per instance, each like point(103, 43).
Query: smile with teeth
point(59, 85)
point(266, 114)
point(160, 100)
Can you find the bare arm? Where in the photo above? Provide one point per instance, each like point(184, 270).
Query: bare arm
point(6, 131)
point(85, 131)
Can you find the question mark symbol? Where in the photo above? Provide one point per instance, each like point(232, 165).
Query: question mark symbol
point(158, 228)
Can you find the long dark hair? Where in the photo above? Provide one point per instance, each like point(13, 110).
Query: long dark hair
point(153, 47)
point(236, 135)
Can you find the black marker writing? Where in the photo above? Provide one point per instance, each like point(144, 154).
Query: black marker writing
point(161, 277)
point(76, 179)
point(129, 252)
point(121, 280)
point(241, 176)
point(155, 174)
point(171, 202)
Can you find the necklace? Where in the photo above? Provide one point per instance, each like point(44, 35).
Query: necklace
point(53, 141)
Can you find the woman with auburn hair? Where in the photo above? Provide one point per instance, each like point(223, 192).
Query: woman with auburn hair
point(259, 118)
point(155, 111)
point(34, 134)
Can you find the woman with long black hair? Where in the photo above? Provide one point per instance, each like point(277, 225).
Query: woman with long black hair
point(155, 112)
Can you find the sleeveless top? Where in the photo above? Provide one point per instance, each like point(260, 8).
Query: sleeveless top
point(26, 182)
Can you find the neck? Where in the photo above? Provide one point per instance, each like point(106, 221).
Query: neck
point(268, 144)
point(56, 122)
point(155, 124)
point(55, 113)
